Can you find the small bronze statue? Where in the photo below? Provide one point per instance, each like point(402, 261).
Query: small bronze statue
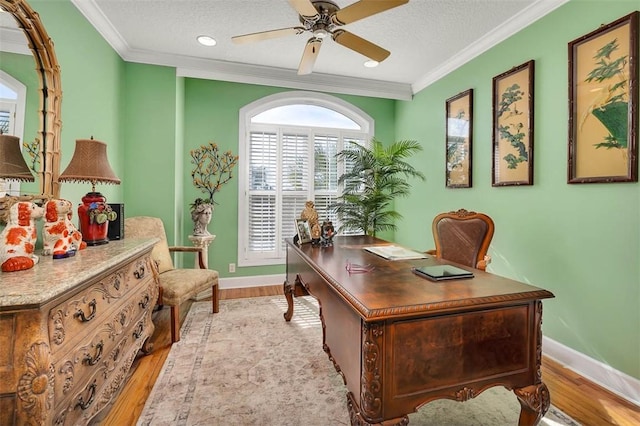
point(327, 233)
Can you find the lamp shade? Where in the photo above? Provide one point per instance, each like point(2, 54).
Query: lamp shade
point(89, 164)
point(12, 164)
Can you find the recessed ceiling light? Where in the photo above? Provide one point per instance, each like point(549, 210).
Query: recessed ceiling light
point(371, 64)
point(206, 40)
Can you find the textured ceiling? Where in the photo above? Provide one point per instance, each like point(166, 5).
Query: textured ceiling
point(427, 39)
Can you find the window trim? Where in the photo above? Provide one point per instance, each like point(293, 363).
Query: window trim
point(364, 120)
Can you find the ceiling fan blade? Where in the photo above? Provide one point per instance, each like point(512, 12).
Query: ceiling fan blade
point(309, 56)
point(363, 9)
point(304, 7)
point(266, 35)
point(360, 45)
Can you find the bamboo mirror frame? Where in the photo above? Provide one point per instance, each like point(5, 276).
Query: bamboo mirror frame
point(48, 70)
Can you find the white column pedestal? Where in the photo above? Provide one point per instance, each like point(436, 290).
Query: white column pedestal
point(203, 242)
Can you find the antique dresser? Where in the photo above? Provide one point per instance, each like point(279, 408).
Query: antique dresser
point(70, 330)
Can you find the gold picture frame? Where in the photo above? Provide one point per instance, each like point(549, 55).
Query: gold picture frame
point(459, 140)
point(513, 126)
point(603, 102)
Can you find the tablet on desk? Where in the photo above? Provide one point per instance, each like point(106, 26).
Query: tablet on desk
point(442, 272)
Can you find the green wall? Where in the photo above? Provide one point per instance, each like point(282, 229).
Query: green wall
point(582, 242)
point(150, 144)
point(212, 114)
point(92, 74)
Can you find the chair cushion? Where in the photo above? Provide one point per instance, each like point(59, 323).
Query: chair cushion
point(179, 285)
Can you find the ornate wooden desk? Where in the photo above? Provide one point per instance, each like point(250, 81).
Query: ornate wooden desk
point(400, 341)
point(70, 330)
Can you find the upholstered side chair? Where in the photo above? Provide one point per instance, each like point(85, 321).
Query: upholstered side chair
point(463, 237)
point(176, 285)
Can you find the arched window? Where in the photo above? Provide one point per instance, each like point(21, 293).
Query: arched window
point(288, 148)
point(13, 95)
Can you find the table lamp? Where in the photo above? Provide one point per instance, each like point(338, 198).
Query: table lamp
point(12, 164)
point(12, 168)
point(90, 164)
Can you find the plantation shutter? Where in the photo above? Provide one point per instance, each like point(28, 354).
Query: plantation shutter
point(263, 172)
point(325, 175)
point(295, 181)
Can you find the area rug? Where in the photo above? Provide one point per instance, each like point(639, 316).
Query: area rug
point(246, 366)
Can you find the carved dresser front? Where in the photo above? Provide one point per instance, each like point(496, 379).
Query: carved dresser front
point(70, 330)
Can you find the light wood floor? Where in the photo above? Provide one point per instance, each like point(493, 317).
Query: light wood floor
point(586, 402)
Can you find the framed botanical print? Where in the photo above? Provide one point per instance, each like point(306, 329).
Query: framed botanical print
point(513, 126)
point(603, 104)
point(459, 121)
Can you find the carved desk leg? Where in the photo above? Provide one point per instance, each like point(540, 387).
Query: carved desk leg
point(534, 402)
point(534, 399)
point(288, 293)
point(297, 289)
point(370, 410)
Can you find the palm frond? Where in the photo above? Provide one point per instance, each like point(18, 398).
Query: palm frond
point(376, 177)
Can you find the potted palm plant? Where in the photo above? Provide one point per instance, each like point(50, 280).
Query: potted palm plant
point(376, 177)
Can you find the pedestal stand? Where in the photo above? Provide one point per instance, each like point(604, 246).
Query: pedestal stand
point(203, 242)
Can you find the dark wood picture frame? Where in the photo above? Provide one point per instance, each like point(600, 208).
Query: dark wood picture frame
point(513, 126)
point(459, 140)
point(603, 102)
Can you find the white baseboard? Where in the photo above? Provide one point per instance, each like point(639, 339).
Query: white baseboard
point(604, 375)
point(621, 384)
point(255, 281)
point(244, 282)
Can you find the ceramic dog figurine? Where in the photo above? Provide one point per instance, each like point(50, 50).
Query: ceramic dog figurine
point(60, 236)
point(18, 238)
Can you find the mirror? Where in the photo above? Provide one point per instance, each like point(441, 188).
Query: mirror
point(48, 71)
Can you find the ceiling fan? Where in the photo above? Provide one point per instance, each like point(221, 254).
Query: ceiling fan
point(324, 18)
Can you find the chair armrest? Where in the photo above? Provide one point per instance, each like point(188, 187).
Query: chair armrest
point(187, 249)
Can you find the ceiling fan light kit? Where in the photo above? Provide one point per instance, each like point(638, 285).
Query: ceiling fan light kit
point(324, 18)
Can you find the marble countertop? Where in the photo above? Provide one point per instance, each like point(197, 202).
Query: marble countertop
point(49, 277)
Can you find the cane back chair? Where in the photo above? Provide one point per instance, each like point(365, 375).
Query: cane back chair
point(463, 237)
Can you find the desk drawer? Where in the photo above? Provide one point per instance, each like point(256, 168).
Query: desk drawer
point(79, 314)
point(457, 350)
point(101, 346)
point(88, 376)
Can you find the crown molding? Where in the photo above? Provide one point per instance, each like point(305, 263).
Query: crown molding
point(240, 73)
point(253, 74)
point(525, 18)
point(99, 21)
point(279, 77)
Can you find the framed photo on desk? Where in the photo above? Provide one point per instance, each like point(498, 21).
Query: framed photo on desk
point(304, 231)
